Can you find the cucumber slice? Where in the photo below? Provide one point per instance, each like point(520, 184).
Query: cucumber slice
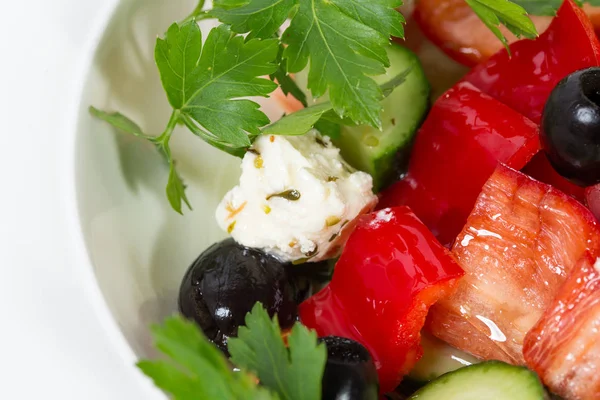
point(438, 358)
point(491, 380)
point(380, 152)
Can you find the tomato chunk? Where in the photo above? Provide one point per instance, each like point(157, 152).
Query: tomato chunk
point(519, 243)
point(525, 80)
point(540, 169)
point(592, 198)
point(456, 150)
point(563, 347)
point(390, 272)
point(458, 31)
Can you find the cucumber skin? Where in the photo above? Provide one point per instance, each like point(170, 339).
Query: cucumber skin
point(462, 380)
point(404, 112)
point(389, 162)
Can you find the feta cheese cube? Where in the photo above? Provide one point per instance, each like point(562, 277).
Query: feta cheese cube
point(297, 198)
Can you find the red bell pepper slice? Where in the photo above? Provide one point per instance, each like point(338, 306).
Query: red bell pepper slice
point(391, 271)
point(456, 150)
point(525, 80)
point(563, 346)
point(518, 245)
point(592, 198)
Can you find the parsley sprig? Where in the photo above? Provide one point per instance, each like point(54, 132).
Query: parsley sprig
point(206, 85)
point(195, 369)
point(344, 40)
point(293, 372)
point(175, 186)
point(511, 15)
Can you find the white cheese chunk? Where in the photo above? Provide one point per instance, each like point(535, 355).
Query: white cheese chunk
point(297, 198)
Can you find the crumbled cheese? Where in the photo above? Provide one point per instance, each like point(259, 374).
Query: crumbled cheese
point(296, 200)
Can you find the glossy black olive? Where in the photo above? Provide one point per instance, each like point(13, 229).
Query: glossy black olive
point(349, 371)
point(570, 130)
point(225, 282)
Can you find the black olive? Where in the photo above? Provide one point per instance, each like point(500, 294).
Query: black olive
point(570, 129)
point(349, 371)
point(225, 282)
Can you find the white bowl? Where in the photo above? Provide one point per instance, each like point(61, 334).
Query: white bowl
point(139, 247)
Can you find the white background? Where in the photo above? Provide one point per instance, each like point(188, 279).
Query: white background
point(56, 340)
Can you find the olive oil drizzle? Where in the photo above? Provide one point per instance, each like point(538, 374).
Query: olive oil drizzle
point(291, 195)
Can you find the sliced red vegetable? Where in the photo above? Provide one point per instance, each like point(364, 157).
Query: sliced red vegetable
point(592, 198)
point(456, 150)
point(390, 272)
point(525, 80)
point(517, 247)
point(458, 31)
point(540, 169)
point(563, 347)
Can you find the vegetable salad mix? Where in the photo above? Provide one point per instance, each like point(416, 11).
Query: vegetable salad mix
point(385, 243)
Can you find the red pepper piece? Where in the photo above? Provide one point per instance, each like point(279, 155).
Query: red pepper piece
point(520, 242)
point(563, 347)
point(456, 150)
point(390, 272)
point(525, 80)
point(592, 198)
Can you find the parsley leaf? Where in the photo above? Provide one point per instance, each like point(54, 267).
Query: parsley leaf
point(299, 122)
point(322, 117)
point(206, 85)
point(206, 82)
point(329, 128)
point(294, 373)
point(513, 16)
point(261, 18)
point(548, 7)
point(344, 40)
point(196, 369)
point(540, 7)
point(175, 187)
point(119, 121)
point(286, 82)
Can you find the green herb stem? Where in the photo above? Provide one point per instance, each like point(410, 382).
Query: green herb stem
point(162, 141)
point(198, 14)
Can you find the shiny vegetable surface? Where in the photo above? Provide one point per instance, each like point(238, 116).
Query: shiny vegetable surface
point(525, 80)
point(390, 272)
point(563, 346)
point(456, 150)
point(518, 245)
point(225, 282)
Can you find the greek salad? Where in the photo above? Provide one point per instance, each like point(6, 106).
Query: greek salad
point(413, 226)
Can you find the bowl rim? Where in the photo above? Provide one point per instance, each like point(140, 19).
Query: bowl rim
point(80, 252)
